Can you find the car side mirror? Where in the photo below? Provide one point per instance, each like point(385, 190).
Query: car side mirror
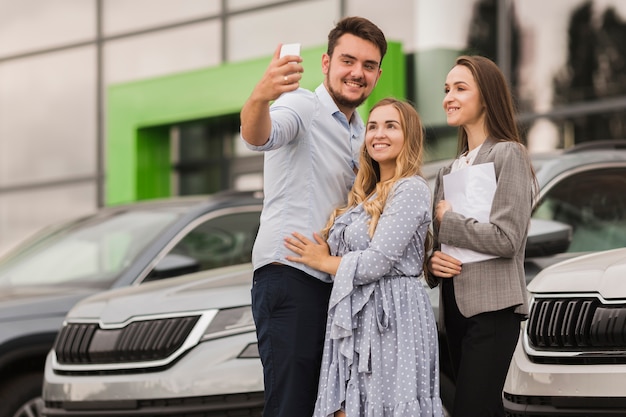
point(547, 237)
point(173, 265)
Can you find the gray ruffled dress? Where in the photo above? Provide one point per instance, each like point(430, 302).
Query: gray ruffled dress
point(381, 354)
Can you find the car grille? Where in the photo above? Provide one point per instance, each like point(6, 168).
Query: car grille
point(150, 340)
point(583, 330)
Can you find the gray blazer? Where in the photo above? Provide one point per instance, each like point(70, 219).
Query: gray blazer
point(496, 283)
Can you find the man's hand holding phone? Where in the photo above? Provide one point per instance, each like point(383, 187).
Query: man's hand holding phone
point(289, 50)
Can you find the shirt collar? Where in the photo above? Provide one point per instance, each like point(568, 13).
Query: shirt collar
point(329, 104)
point(326, 100)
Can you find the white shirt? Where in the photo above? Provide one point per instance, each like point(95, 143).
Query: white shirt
point(309, 165)
point(465, 160)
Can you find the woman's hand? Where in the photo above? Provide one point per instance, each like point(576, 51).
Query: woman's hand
point(442, 207)
point(314, 254)
point(444, 266)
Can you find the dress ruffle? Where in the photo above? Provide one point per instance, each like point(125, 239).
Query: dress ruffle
point(357, 317)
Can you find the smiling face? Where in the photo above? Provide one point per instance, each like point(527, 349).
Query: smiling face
point(351, 72)
point(384, 138)
point(462, 102)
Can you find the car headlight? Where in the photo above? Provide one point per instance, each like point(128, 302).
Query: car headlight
point(250, 352)
point(229, 322)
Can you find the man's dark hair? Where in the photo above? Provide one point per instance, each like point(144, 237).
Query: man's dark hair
point(359, 27)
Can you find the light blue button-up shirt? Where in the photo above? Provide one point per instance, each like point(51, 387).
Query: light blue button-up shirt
point(310, 160)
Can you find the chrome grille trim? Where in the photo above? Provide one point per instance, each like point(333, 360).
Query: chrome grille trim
point(160, 350)
point(576, 326)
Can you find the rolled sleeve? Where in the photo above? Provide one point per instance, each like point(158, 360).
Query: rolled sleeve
point(291, 118)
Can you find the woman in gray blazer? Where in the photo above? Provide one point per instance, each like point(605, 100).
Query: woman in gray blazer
point(483, 299)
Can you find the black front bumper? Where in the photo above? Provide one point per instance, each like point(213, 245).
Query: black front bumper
point(555, 406)
point(244, 405)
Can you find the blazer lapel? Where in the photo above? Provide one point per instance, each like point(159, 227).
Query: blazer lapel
point(485, 150)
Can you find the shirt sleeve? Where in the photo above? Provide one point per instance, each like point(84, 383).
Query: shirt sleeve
point(510, 212)
point(292, 115)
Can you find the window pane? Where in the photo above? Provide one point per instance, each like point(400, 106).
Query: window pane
point(131, 15)
point(222, 241)
point(206, 152)
point(246, 4)
point(28, 25)
point(563, 132)
point(165, 52)
point(594, 204)
point(570, 52)
point(305, 22)
point(48, 117)
point(92, 252)
point(418, 21)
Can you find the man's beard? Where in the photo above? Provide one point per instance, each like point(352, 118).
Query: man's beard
point(343, 101)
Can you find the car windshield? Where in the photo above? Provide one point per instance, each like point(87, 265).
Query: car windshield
point(90, 252)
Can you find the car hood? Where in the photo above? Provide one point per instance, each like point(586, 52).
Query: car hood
point(39, 301)
point(600, 272)
point(218, 288)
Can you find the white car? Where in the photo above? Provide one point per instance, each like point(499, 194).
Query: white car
point(571, 357)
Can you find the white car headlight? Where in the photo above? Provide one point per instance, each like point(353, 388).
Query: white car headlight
point(229, 322)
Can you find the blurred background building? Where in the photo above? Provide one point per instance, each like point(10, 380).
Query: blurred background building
point(110, 101)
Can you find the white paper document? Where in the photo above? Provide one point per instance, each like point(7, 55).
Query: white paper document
point(470, 191)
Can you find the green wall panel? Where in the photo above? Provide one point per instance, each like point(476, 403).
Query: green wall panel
point(153, 162)
point(392, 82)
point(139, 115)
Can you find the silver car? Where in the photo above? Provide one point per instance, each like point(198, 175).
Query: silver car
point(184, 346)
point(120, 246)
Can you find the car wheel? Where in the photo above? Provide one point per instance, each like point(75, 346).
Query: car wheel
point(21, 396)
point(32, 408)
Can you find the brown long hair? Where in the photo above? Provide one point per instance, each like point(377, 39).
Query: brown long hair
point(497, 99)
point(408, 163)
point(495, 95)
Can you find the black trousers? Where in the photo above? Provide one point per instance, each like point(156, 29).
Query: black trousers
point(290, 309)
point(481, 348)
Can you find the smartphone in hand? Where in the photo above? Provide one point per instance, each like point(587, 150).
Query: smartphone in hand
point(290, 49)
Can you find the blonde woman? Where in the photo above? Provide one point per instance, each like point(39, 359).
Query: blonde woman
point(381, 350)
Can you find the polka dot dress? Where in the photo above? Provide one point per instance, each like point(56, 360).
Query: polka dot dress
point(381, 349)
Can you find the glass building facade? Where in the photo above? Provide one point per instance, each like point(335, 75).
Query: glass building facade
point(109, 101)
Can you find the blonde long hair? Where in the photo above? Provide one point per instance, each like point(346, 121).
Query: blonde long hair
point(408, 164)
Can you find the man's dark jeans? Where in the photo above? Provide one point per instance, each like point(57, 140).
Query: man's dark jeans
point(290, 309)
